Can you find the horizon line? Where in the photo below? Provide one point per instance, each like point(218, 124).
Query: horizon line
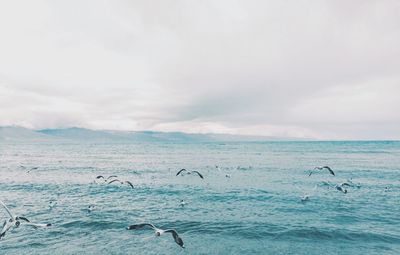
point(276, 138)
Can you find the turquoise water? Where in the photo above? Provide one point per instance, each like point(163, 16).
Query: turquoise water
point(258, 210)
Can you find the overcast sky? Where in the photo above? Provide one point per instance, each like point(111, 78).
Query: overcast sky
point(317, 69)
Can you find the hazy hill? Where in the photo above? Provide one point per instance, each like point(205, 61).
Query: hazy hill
point(82, 134)
point(19, 133)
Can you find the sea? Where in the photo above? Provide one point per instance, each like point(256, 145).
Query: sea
point(249, 202)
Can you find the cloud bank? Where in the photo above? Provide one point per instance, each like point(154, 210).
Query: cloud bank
point(319, 69)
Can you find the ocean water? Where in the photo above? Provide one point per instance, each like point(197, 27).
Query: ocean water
point(258, 210)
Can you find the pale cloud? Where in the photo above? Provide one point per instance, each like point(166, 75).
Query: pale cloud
point(321, 69)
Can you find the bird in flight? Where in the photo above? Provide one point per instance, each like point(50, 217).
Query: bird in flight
point(15, 221)
point(122, 182)
point(159, 232)
point(341, 187)
point(106, 179)
point(319, 168)
point(182, 171)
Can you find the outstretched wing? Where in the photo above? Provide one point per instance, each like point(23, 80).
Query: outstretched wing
point(33, 168)
point(180, 171)
point(8, 211)
point(116, 180)
point(100, 176)
point(130, 183)
point(139, 226)
point(112, 176)
point(201, 176)
point(329, 169)
point(22, 218)
point(6, 226)
point(38, 225)
point(176, 237)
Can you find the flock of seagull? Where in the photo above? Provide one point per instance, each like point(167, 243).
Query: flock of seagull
point(113, 179)
point(343, 186)
point(16, 221)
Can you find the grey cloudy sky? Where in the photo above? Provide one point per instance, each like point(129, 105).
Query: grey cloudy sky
point(319, 69)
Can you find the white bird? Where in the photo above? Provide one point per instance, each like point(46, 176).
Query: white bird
point(189, 172)
point(52, 204)
point(159, 232)
point(321, 168)
point(15, 221)
point(341, 187)
point(33, 168)
point(13, 218)
point(104, 178)
point(90, 208)
point(182, 203)
point(305, 198)
point(122, 182)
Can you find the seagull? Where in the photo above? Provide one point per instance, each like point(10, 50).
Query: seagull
point(33, 168)
point(305, 198)
point(159, 232)
point(182, 203)
point(15, 221)
point(189, 172)
point(106, 179)
point(321, 168)
point(13, 218)
point(341, 188)
point(122, 182)
point(227, 175)
point(52, 204)
point(90, 208)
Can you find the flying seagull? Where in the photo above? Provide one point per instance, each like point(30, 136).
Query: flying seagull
point(159, 232)
point(189, 172)
point(341, 187)
point(14, 221)
point(321, 168)
point(33, 168)
point(104, 178)
point(182, 203)
point(13, 218)
point(52, 204)
point(90, 208)
point(305, 198)
point(122, 182)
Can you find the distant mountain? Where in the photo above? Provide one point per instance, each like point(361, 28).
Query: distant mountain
point(123, 136)
point(82, 134)
point(75, 133)
point(19, 133)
